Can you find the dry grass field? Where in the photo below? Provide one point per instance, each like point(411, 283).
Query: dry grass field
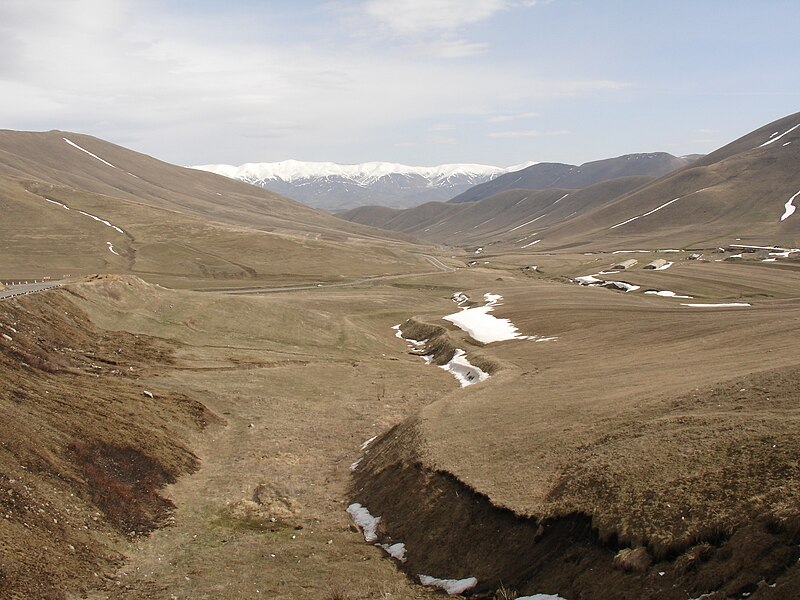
point(190, 422)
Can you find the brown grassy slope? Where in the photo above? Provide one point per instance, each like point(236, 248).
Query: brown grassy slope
point(500, 221)
point(665, 425)
point(84, 452)
point(544, 176)
point(373, 216)
point(46, 157)
point(738, 191)
point(39, 238)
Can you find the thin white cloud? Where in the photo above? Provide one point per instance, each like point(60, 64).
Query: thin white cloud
point(415, 17)
point(456, 48)
point(516, 117)
point(193, 92)
point(527, 133)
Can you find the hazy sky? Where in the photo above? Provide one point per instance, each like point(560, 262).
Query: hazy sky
point(421, 82)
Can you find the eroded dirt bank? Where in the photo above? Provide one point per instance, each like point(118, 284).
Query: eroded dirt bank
point(452, 532)
point(85, 452)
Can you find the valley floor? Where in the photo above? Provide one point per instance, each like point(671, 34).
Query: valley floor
point(636, 425)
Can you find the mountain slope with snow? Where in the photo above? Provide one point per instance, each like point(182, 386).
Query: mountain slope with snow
point(333, 186)
point(542, 176)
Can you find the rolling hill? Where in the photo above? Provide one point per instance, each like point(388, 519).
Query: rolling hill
point(499, 429)
point(75, 205)
point(744, 192)
point(542, 176)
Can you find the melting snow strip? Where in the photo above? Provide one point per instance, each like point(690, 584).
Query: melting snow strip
point(463, 370)
point(528, 223)
point(650, 212)
point(560, 199)
point(366, 444)
point(59, 203)
point(396, 551)
point(723, 305)
point(789, 208)
point(665, 294)
point(71, 143)
point(775, 139)
point(111, 247)
point(365, 521)
point(664, 267)
point(451, 586)
point(541, 597)
point(531, 244)
point(103, 221)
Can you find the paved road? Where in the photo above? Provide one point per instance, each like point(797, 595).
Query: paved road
point(26, 288)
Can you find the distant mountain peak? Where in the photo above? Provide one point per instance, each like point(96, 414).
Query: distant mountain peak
point(336, 186)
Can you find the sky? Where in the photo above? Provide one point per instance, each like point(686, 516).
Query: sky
point(418, 82)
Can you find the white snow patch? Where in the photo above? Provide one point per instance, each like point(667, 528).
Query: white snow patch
point(103, 221)
point(588, 280)
point(354, 466)
point(396, 551)
point(594, 281)
point(628, 251)
point(459, 298)
point(560, 199)
point(531, 244)
point(451, 586)
point(650, 212)
point(364, 520)
point(541, 597)
point(664, 267)
point(71, 143)
point(481, 325)
point(360, 174)
point(775, 139)
point(769, 260)
point(622, 285)
point(526, 223)
point(723, 305)
point(368, 442)
point(789, 208)
point(665, 294)
point(59, 203)
point(111, 248)
point(465, 372)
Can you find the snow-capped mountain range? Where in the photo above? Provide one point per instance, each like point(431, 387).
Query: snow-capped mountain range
point(332, 186)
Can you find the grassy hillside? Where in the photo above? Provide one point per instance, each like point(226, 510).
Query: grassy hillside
point(745, 191)
point(544, 176)
point(68, 213)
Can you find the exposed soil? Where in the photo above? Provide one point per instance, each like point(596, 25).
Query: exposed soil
point(450, 531)
point(84, 451)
